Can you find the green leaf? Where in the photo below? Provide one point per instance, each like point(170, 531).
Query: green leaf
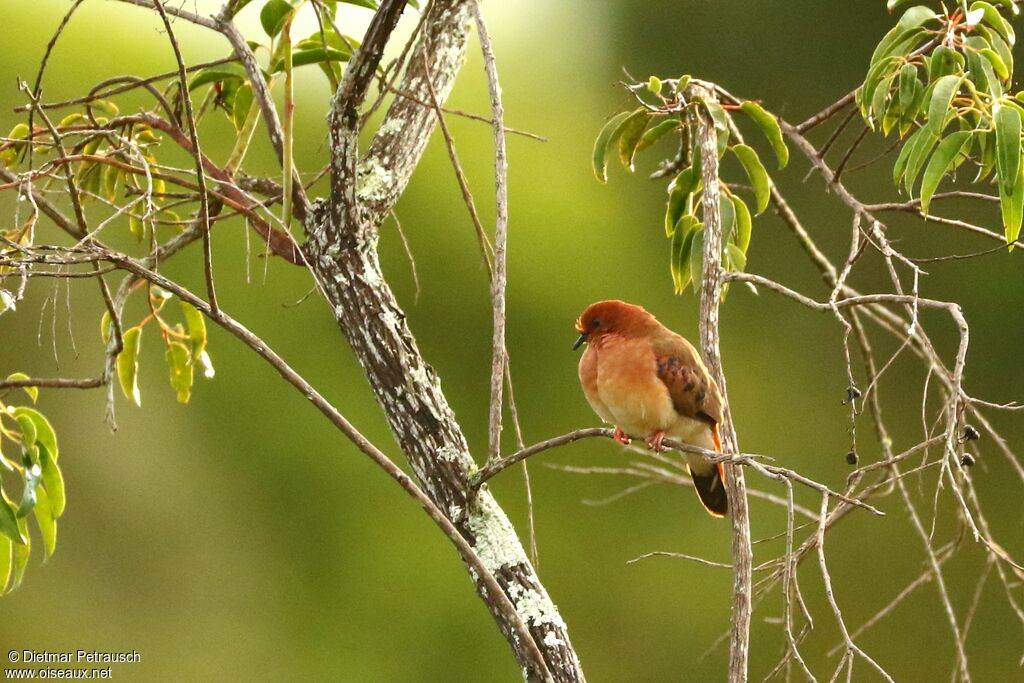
point(997, 63)
point(679, 191)
point(29, 496)
point(916, 16)
point(314, 55)
point(1011, 202)
point(944, 61)
point(769, 126)
point(33, 392)
point(1001, 47)
point(917, 158)
point(758, 176)
point(10, 155)
point(942, 97)
point(900, 167)
point(907, 82)
point(890, 53)
point(44, 433)
point(47, 522)
point(240, 4)
point(737, 257)
point(179, 361)
point(106, 106)
point(138, 230)
point(20, 554)
point(1007, 124)
point(605, 139)
point(993, 18)
point(28, 430)
point(344, 44)
point(986, 154)
point(1009, 4)
point(274, 15)
point(53, 480)
point(697, 258)
point(106, 327)
point(111, 176)
point(68, 120)
point(630, 132)
point(241, 105)
point(128, 365)
point(941, 162)
point(5, 562)
point(727, 212)
point(721, 120)
point(744, 225)
point(909, 114)
point(219, 73)
point(891, 116)
point(655, 133)
point(196, 323)
point(867, 93)
point(682, 240)
point(979, 69)
point(9, 522)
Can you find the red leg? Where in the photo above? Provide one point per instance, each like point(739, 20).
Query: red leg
point(621, 436)
point(654, 441)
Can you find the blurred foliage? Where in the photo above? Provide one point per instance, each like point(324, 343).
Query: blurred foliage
point(966, 61)
point(242, 537)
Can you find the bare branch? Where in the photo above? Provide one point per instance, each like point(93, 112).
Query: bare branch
point(710, 298)
point(499, 281)
point(204, 199)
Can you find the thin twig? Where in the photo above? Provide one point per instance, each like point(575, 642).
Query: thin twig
point(499, 281)
point(204, 199)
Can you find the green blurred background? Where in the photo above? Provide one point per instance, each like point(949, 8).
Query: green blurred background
point(241, 537)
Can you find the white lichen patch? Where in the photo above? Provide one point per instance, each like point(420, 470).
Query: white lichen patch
point(534, 607)
point(455, 512)
point(448, 453)
point(551, 640)
point(455, 455)
point(417, 376)
point(389, 318)
point(496, 542)
point(370, 273)
point(391, 126)
point(373, 181)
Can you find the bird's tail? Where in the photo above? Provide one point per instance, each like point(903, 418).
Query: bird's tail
point(709, 479)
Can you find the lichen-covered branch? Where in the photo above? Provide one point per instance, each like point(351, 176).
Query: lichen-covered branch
point(710, 298)
point(343, 255)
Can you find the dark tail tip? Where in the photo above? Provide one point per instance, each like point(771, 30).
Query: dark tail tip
point(710, 489)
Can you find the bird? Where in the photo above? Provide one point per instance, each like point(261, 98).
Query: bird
point(650, 383)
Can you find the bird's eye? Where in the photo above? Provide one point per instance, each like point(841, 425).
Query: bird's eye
point(596, 322)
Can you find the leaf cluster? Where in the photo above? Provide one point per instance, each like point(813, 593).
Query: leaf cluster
point(28, 454)
point(668, 110)
point(941, 82)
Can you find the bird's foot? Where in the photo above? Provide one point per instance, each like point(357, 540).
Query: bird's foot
point(654, 442)
point(621, 436)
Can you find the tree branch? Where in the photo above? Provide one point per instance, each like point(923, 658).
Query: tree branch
point(342, 249)
point(499, 281)
point(710, 298)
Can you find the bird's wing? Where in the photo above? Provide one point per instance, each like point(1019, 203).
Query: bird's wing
point(692, 389)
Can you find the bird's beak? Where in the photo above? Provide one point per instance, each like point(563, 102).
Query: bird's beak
point(579, 342)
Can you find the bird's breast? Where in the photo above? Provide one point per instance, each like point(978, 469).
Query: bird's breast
point(628, 386)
